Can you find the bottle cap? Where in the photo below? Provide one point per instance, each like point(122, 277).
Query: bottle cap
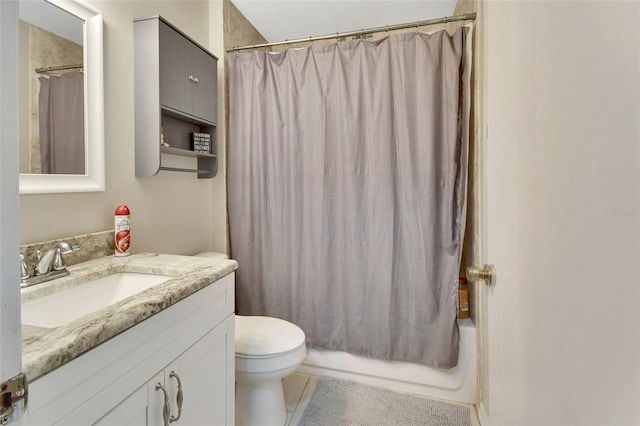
point(122, 210)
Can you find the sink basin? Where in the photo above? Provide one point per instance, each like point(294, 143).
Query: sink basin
point(67, 305)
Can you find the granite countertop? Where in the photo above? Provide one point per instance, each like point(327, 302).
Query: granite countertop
point(45, 349)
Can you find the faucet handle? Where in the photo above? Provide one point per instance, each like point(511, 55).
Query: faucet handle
point(38, 254)
point(24, 270)
point(58, 261)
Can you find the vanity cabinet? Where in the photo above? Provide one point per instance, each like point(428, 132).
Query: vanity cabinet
point(176, 83)
point(140, 408)
point(202, 377)
point(116, 383)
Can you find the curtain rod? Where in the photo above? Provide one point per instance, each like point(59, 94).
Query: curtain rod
point(446, 19)
point(59, 68)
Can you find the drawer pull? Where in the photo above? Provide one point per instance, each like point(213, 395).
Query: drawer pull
point(165, 409)
point(179, 397)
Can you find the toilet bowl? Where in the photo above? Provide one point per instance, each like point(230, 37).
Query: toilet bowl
point(267, 350)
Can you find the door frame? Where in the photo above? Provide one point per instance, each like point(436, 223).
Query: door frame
point(10, 329)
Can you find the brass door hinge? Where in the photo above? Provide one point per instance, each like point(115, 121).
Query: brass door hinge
point(13, 399)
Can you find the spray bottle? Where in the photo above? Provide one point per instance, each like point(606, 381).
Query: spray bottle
point(123, 231)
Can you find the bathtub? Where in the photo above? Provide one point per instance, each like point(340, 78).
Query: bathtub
point(456, 384)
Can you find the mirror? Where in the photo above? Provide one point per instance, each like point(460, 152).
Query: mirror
point(51, 90)
point(61, 95)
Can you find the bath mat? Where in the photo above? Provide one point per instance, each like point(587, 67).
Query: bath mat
point(339, 402)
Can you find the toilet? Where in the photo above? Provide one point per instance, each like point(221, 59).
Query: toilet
point(267, 350)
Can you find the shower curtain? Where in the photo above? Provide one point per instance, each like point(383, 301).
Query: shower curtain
point(61, 121)
point(347, 175)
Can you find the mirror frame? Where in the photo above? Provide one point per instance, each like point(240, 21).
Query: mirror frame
point(94, 178)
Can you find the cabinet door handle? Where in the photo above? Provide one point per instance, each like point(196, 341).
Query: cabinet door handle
point(179, 397)
point(191, 77)
point(166, 410)
point(195, 80)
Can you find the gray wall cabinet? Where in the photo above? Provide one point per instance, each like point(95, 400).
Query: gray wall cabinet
point(176, 83)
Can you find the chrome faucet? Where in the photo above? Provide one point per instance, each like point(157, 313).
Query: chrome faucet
point(52, 259)
point(48, 266)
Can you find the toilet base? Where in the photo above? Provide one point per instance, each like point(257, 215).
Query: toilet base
point(260, 403)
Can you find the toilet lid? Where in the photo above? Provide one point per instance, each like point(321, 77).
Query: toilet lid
point(265, 336)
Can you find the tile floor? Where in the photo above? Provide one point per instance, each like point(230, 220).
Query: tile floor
point(298, 389)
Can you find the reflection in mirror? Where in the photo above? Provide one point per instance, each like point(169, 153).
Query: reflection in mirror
point(52, 140)
point(61, 96)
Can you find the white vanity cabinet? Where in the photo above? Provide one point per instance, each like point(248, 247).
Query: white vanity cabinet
point(143, 407)
point(121, 382)
point(201, 372)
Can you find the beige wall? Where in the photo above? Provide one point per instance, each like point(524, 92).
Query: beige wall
point(171, 212)
point(238, 31)
point(465, 6)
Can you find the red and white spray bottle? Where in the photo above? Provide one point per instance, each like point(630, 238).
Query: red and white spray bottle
point(123, 231)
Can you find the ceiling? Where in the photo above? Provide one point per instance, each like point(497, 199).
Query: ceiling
point(279, 20)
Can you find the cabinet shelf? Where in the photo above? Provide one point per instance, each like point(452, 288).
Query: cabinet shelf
point(179, 115)
point(175, 96)
point(185, 152)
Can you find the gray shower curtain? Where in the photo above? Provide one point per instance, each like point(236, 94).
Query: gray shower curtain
point(61, 122)
point(347, 175)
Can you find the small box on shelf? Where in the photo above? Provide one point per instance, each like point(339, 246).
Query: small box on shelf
point(201, 142)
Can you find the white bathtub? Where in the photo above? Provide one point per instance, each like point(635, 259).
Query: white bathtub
point(456, 384)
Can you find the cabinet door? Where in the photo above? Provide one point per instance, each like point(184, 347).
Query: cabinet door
point(175, 58)
point(141, 408)
point(205, 68)
point(206, 372)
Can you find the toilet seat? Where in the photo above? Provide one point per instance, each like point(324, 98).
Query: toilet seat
point(266, 337)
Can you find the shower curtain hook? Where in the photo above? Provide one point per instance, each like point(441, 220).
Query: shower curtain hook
point(417, 25)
